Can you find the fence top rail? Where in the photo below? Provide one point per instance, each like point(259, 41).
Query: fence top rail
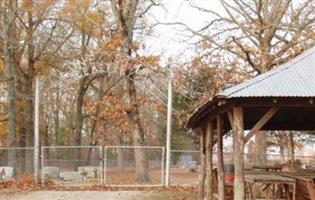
point(266, 154)
point(69, 147)
point(185, 151)
point(16, 148)
point(135, 147)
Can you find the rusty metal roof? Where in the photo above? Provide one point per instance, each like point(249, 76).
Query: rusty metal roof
point(295, 78)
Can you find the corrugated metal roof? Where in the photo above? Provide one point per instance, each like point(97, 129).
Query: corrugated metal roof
point(293, 79)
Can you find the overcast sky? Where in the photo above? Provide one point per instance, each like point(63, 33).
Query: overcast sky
point(170, 40)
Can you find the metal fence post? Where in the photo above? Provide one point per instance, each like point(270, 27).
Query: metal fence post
point(105, 165)
point(102, 166)
point(42, 164)
point(36, 131)
point(163, 166)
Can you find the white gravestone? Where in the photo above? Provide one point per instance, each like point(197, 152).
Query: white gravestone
point(51, 172)
point(6, 172)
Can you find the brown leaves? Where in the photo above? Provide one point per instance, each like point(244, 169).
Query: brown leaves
point(112, 111)
point(22, 182)
point(114, 51)
point(80, 13)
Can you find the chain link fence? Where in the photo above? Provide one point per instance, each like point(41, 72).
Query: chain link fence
point(185, 166)
point(276, 160)
point(134, 165)
point(16, 161)
point(117, 165)
point(72, 164)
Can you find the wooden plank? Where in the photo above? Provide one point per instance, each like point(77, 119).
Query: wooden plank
point(239, 183)
point(220, 157)
point(209, 148)
point(271, 178)
point(267, 116)
point(298, 175)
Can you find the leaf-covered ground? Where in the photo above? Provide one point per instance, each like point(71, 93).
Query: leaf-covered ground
point(24, 188)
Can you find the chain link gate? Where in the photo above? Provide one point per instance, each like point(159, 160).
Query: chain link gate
point(72, 165)
point(120, 166)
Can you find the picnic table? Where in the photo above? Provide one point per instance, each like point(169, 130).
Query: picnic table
point(271, 185)
point(268, 168)
point(305, 183)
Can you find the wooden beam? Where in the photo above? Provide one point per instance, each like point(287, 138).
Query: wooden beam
point(220, 157)
point(267, 116)
point(269, 102)
point(239, 183)
point(209, 151)
point(202, 174)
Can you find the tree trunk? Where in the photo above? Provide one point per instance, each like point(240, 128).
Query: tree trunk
point(9, 7)
point(281, 145)
point(120, 154)
point(261, 148)
point(239, 184)
point(56, 116)
point(79, 119)
point(125, 12)
point(93, 141)
point(291, 149)
point(141, 162)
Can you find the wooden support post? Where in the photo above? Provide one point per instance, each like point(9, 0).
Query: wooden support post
point(231, 120)
point(239, 183)
point(209, 148)
point(220, 157)
point(202, 174)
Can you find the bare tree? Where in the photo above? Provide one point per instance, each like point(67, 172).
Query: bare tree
point(126, 14)
point(261, 35)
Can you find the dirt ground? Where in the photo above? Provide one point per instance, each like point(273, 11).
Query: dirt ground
point(179, 176)
point(98, 195)
point(76, 195)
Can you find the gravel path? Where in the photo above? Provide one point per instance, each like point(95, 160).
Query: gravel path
point(77, 195)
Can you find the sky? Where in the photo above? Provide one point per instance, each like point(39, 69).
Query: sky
point(170, 40)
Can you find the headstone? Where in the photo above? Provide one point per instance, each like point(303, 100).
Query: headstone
point(192, 165)
point(6, 172)
point(71, 176)
point(90, 171)
point(51, 172)
point(184, 160)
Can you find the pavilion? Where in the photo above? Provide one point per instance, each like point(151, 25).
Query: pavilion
point(281, 99)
